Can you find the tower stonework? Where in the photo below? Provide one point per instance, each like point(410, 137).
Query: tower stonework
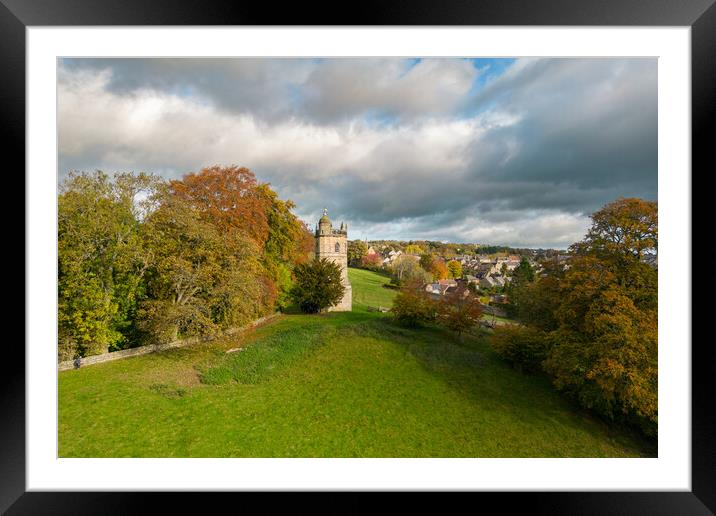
point(333, 245)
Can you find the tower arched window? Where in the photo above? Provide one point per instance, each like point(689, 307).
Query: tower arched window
point(338, 247)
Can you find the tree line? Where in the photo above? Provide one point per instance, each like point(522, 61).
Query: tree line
point(144, 259)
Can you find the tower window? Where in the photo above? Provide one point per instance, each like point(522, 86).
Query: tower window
point(338, 247)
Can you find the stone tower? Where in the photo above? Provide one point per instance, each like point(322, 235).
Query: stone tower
point(333, 245)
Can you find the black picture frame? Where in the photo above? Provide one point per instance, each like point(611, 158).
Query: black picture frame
point(700, 15)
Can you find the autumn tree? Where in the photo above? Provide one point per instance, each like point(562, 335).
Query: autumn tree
point(413, 306)
point(317, 285)
point(599, 316)
point(229, 198)
point(414, 249)
point(625, 227)
point(605, 347)
point(439, 270)
point(372, 262)
point(454, 269)
point(234, 202)
point(524, 347)
point(203, 279)
point(459, 310)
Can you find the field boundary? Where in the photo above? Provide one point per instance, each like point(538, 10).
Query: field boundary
point(153, 348)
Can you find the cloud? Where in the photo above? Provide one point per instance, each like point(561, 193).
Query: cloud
point(408, 148)
point(323, 90)
point(342, 88)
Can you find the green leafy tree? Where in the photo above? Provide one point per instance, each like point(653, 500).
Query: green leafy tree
point(427, 261)
point(524, 272)
point(288, 242)
point(406, 269)
point(317, 285)
point(524, 347)
point(357, 250)
point(517, 288)
point(101, 260)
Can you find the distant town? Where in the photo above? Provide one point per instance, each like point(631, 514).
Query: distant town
point(485, 269)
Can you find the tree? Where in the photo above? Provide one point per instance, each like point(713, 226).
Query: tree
point(234, 202)
point(101, 260)
point(524, 347)
point(523, 273)
point(372, 261)
point(459, 310)
point(623, 227)
point(317, 285)
point(289, 242)
point(427, 262)
point(517, 289)
point(599, 316)
point(203, 279)
point(454, 269)
point(228, 197)
point(413, 249)
point(439, 270)
point(605, 349)
point(357, 250)
point(413, 306)
point(406, 269)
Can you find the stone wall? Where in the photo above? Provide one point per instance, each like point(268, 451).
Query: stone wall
point(152, 348)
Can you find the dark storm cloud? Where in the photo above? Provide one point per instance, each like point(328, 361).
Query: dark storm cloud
point(587, 123)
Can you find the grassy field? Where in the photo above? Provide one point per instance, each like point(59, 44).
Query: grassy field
point(333, 385)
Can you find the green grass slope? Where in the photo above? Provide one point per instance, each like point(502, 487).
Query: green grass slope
point(332, 385)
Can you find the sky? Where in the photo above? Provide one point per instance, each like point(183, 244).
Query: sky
point(511, 152)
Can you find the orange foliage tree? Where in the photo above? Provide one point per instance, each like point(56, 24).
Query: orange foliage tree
point(439, 270)
point(235, 202)
point(228, 197)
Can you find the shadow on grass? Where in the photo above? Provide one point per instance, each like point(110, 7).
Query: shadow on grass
point(470, 367)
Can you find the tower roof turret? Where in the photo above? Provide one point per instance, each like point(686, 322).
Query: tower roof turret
point(324, 224)
point(324, 218)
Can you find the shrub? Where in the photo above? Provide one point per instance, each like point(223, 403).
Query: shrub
point(317, 285)
point(413, 307)
point(524, 347)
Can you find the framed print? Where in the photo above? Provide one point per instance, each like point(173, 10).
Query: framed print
point(409, 250)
